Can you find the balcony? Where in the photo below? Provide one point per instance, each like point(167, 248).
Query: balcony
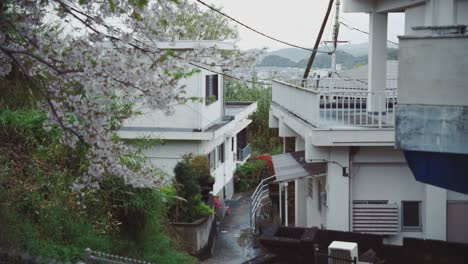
point(336, 103)
point(243, 153)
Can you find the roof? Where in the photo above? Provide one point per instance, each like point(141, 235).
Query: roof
point(291, 166)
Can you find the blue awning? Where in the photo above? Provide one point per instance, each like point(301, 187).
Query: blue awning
point(445, 170)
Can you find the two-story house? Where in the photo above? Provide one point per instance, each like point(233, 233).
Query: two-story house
point(345, 169)
point(206, 125)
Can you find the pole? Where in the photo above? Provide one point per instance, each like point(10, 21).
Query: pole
point(280, 185)
point(286, 204)
point(336, 28)
point(317, 42)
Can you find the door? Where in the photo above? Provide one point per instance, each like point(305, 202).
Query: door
point(457, 221)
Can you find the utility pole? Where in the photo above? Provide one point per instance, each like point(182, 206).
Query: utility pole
point(336, 28)
point(317, 42)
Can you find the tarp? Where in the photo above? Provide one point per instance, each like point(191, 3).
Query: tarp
point(445, 170)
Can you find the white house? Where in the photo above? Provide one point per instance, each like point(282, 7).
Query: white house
point(209, 126)
point(346, 171)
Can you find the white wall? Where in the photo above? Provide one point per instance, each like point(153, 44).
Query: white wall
point(338, 190)
point(214, 111)
point(166, 156)
point(188, 115)
point(223, 172)
point(376, 177)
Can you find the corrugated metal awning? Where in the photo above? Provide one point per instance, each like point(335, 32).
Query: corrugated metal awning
point(292, 166)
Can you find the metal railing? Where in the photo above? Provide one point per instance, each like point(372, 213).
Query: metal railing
point(259, 199)
point(243, 153)
point(335, 102)
point(92, 256)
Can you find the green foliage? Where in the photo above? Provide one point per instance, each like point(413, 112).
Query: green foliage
point(41, 215)
point(192, 176)
point(262, 138)
point(248, 175)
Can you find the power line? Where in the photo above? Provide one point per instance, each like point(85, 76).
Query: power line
point(228, 75)
point(364, 32)
point(256, 31)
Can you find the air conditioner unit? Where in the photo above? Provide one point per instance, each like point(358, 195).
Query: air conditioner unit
point(323, 198)
point(342, 252)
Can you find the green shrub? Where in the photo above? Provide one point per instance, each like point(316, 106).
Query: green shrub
point(41, 215)
point(193, 178)
point(248, 175)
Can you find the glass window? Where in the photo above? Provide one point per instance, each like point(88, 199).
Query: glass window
point(411, 215)
point(211, 88)
point(212, 160)
point(221, 153)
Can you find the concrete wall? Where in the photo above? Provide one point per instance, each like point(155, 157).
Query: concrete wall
point(166, 155)
point(188, 115)
point(214, 111)
point(380, 173)
point(337, 209)
point(195, 235)
point(224, 172)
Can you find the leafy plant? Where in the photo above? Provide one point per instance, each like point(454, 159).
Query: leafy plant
point(192, 176)
point(248, 175)
point(263, 139)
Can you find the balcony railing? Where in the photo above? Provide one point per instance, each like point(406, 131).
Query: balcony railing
point(338, 102)
point(243, 153)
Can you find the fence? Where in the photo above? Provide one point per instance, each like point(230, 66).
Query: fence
point(259, 199)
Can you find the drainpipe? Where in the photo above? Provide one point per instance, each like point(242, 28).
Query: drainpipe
point(280, 189)
point(286, 204)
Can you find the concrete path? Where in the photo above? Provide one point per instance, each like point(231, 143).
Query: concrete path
point(234, 241)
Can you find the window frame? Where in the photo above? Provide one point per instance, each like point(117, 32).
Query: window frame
point(221, 153)
point(211, 88)
point(212, 155)
point(411, 228)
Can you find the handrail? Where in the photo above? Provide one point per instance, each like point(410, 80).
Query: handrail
point(261, 183)
point(260, 193)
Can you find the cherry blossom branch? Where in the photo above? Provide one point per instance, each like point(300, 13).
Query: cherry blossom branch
point(49, 102)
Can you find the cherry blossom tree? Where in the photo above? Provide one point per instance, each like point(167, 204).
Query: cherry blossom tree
point(92, 60)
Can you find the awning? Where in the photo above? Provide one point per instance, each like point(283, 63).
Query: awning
point(292, 166)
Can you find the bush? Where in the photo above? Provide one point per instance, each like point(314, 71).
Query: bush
point(193, 183)
point(269, 161)
point(248, 175)
point(41, 215)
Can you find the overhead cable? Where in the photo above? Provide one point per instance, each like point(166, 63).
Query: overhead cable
point(257, 31)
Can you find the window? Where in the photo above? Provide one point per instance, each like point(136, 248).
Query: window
point(411, 215)
point(232, 144)
point(221, 153)
point(212, 160)
point(211, 87)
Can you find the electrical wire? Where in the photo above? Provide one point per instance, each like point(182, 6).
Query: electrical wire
point(364, 32)
point(266, 82)
point(255, 30)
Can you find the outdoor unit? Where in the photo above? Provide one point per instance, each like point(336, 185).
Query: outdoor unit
point(342, 252)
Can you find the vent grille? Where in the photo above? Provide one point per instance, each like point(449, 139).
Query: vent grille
point(381, 219)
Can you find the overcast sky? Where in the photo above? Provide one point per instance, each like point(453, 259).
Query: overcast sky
point(296, 21)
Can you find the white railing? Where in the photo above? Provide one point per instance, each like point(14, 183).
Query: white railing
point(259, 199)
point(346, 103)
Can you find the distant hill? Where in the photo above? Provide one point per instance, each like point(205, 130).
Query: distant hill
point(348, 59)
point(274, 60)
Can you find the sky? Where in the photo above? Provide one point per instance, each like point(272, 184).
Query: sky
point(296, 21)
